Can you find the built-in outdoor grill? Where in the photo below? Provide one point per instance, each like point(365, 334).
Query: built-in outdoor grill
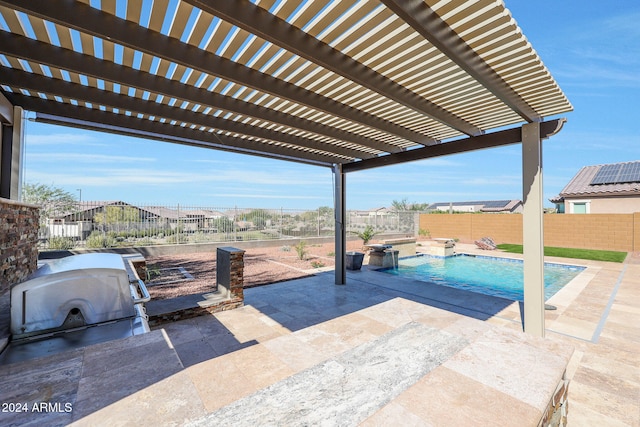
point(75, 301)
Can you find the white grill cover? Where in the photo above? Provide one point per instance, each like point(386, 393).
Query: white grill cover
point(96, 284)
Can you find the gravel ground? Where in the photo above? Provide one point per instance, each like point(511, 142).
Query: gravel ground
point(187, 274)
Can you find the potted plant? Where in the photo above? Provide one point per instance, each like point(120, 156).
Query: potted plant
point(354, 259)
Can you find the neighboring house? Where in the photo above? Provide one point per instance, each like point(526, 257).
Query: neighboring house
point(487, 206)
point(187, 219)
point(610, 188)
point(80, 222)
point(380, 211)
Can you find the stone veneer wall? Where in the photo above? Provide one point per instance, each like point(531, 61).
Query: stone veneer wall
point(18, 253)
point(558, 408)
point(18, 242)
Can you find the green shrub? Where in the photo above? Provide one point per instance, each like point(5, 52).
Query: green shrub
point(425, 233)
point(145, 242)
point(153, 271)
point(317, 264)
point(61, 243)
point(177, 238)
point(97, 240)
point(199, 237)
point(301, 249)
point(367, 234)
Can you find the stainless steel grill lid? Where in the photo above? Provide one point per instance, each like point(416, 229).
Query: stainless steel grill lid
point(72, 292)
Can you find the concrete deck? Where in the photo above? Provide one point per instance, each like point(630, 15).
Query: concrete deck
point(378, 351)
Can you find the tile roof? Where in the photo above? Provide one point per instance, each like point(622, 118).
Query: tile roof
point(581, 185)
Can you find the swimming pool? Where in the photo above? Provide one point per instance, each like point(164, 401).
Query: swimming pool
point(487, 275)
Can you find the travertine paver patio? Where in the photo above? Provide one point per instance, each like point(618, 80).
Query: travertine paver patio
point(246, 365)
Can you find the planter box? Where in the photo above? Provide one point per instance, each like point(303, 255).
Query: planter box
point(354, 260)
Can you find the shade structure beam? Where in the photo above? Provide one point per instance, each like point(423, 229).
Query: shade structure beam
point(39, 52)
point(428, 23)
point(78, 92)
point(89, 20)
point(489, 140)
point(258, 21)
point(108, 122)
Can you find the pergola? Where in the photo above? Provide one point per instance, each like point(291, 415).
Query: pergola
point(350, 85)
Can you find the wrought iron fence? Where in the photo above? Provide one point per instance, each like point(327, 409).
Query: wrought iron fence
point(119, 224)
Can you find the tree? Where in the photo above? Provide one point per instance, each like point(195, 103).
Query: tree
point(404, 205)
point(258, 217)
point(53, 201)
point(116, 214)
point(223, 224)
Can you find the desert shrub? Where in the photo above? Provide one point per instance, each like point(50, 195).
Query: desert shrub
point(199, 237)
point(61, 243)
point(177, 238)
point(145, 242)
point(301, 249)
point(425, 233)
point(98, 240)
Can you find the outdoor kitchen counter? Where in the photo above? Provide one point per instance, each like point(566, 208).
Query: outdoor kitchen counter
point(64, 387)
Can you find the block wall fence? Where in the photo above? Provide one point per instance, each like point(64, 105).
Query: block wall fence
point(615, 232)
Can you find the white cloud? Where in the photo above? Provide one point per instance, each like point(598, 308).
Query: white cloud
point(83, 139)
point(111, 177)
point(86, 158)
point(265, 196)
point(108, 178)
point(499, 181)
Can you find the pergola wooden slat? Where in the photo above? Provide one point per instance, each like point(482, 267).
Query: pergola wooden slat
point(350, 85)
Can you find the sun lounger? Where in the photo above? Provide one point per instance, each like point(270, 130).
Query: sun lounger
point(486, 243)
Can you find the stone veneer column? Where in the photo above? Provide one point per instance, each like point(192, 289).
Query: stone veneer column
point(18, 242)
point(19, 224)
point(230, 271)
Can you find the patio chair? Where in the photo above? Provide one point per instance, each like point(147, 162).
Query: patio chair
point(486, 243)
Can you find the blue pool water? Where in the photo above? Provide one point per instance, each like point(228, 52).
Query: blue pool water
point(487, 275)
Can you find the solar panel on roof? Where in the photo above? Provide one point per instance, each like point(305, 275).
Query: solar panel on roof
point(606, 175)
point(630, 172)
point(617, 174)
point(496, 204)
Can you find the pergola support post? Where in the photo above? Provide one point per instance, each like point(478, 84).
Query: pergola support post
point(11, 153)
point(340, 231)
point(533, 230)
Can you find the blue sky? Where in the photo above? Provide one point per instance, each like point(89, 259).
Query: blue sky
point(591, 49)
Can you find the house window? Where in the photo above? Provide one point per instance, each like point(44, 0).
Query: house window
point(580, 207)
